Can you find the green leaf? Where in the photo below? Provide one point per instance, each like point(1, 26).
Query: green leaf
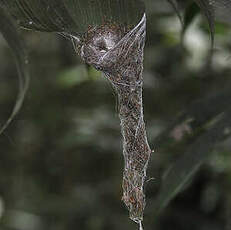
point(186, 166)
point(214, 10)
point(73, 16)
point(15, 42)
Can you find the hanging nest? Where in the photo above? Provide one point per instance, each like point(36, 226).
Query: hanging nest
point(119, 55)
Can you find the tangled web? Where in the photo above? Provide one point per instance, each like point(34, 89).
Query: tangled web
point(119, 55)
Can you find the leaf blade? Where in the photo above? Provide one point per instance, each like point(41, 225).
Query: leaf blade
point(186, 166)
point(15, 42)
point(73, 16)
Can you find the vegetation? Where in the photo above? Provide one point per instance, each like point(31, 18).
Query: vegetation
point(60, 156)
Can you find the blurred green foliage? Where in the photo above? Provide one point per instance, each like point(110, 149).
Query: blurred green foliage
point(61, 158)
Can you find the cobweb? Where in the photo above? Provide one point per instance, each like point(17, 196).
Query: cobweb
point(118, 52)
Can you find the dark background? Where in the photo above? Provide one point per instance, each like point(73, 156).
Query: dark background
point(61, 158)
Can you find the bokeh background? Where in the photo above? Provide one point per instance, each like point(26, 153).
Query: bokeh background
point(61, 158)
